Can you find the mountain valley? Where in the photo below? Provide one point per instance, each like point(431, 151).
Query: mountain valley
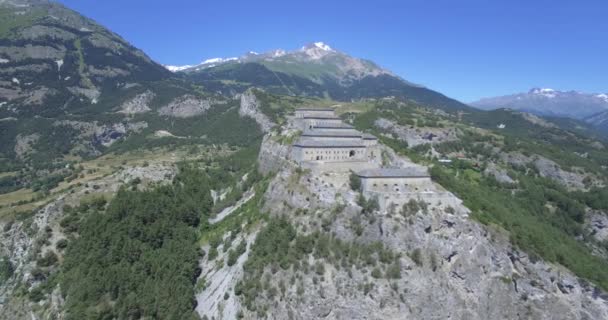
point(133, 190)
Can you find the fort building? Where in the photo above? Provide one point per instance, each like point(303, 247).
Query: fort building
point(314, 112)
point(327, 143)
point(394, 180)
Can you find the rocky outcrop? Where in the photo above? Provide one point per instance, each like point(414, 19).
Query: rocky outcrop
point(553, 171)
point(103, 134)
point(90, 93)
point(138, 104)
point(416, 136)
point(273, 155)
point(597, 224)
point(548, 169)
point(41, 32)
point(498, 173)
point(250, 108)
point(185, 107)
point(450, 267)
point(24, 144)
point(30, 51)
point(107, 135)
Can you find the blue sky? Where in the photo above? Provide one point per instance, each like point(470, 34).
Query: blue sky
point(466, 49)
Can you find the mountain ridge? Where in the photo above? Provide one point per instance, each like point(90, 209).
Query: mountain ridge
point(547, 101)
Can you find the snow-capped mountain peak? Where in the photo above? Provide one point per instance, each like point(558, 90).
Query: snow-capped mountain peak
point(277, 53)
point(218, 60)
point(547, 92)
point(602, 96)
point(205, 64)
point(317, 50)
point(322, 46)
point(550, 102)
point(177, 68)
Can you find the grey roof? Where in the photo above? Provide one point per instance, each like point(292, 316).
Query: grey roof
point(330, 133)
point(340, 125)
point(408, 172)
point(305, 143)
point(322, 118)
point(367, 136)
point(314, 109)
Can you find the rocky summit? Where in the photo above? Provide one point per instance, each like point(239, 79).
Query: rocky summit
point(289, 184)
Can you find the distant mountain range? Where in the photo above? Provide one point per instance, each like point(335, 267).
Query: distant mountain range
point(316, 70)
point(589, 107)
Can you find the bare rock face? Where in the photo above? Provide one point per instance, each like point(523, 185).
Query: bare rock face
point(548, 169)
point(139, 104)
point(185, 107)
point(107, 135)
point(108, 72)
point(552, 170)
point(537, 120)
point(250, 108)
point(90, 93)
point(36, 32)
point(24, 143)
point(273, 155)
point(462, 269)
point(30, 51)
point(104, 135)
point(597, 224)
point(499, 174)
point(417, 136)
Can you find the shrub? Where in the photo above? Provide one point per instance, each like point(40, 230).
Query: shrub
point(49, 259)
point(376, 273)
point(320, 268)
point(355, 182)
point(416, 256)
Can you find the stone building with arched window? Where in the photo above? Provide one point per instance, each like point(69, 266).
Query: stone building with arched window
point(327, 141)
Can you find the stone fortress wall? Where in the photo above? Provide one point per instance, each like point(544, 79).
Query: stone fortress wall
point(328, 145)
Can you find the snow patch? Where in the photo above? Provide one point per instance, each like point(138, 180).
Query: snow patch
point(16, 81)
point(322, 46)
point(177, 68)
point(59, 64)
point(547, 92)
point(2, 60)
point(602, 96)
point(205, 64)
point(218, 60)
point(278, 53)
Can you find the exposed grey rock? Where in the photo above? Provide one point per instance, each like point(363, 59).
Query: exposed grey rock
point(537, 120)
point(104, 135)
point(139, 104)
point(24, 144)
point(249, 108)
point(597, 224)
point(90, 93)
point(102, 41)
point(466, 270)
point(107, 72)
point(38, 95)
point(499, 174)
point(416, 136)
point(109, 134)
point(36, 32)
point(273, 155)
point(549, 169)
point(185, 107)
point(37, 68)
point(30, 51)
